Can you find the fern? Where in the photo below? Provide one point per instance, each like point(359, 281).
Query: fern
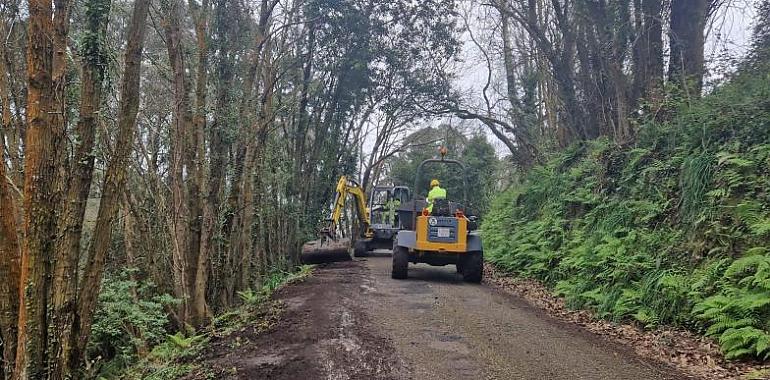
point(744, 341)
point(734, 160)
point(184, 342)
point(752, 215)
point(250, 297)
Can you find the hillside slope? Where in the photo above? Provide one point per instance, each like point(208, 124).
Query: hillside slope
point(672, 230)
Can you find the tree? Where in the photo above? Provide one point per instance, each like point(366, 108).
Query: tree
point(482, 162)
point(114, 182)
point(183, 168)
point(648, 47)
point(686, 38)
point(10, 253)
point(39, 198)
point(70, 224)
point(10, 259)
point(572, 70)
point(760, 44)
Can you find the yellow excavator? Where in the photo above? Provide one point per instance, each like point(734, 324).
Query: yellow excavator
point(331, 247)
point(378, 223)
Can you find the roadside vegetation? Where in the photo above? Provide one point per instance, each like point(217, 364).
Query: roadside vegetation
point(671, 230)
point(132, 340)
point(196, 142)
point(660, 216)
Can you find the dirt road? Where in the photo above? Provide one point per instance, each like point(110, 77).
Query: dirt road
point(351, 321)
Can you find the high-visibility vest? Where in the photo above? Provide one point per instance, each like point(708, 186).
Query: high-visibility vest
point(435, 193)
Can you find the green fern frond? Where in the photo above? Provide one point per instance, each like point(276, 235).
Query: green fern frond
point(744, 341)
point(762, 345)
point(726, 323)
point(745, 266)
point(733, 160)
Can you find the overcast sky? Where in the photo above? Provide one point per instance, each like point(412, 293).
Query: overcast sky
point(728, 40)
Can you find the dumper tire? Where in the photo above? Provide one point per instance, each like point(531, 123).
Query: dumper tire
point(400, 263)
point(473, 267)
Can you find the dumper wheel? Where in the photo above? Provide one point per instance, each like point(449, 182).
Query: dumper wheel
point(360, 249)
point(400, 263)
point(473, 267)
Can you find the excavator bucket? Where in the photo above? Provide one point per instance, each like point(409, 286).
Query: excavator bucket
point(325, 251)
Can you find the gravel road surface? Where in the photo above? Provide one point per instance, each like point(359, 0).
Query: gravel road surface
point(352, 321)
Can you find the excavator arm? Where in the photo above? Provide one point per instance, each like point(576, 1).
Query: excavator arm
point(347, 187)
point(329, 248)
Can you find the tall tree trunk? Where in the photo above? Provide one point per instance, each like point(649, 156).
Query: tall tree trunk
point(39, 198)
point(591, 77)
point(303, 119)
point(242, 194)
point(508, 62)
point(526, 150)
point(648, 48)
point(206, 206)
point(610, 49)
point(58, 116)
point(180, 158)
point(10, 254)
point(71, 221)
point(226, 30)
point(114, 179)
point(686, 37)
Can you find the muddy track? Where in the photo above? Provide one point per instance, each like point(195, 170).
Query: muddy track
point(323, 332)
point(351, 321)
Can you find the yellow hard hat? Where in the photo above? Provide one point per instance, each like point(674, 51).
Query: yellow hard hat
point(435, 183)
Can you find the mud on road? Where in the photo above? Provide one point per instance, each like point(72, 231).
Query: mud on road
point(352, 321)
point(324, 332)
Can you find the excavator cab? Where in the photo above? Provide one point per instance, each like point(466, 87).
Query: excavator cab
point(445, 236)
point(384, 202)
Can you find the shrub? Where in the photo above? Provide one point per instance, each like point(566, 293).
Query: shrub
point(130, 319)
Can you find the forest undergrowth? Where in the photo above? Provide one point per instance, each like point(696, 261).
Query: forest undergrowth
point(134, 333)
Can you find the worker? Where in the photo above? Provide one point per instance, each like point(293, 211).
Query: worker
point(391, 209)
point(436, 192)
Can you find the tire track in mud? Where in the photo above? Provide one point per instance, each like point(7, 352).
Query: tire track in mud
point(324, 332)
point(351, 321)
